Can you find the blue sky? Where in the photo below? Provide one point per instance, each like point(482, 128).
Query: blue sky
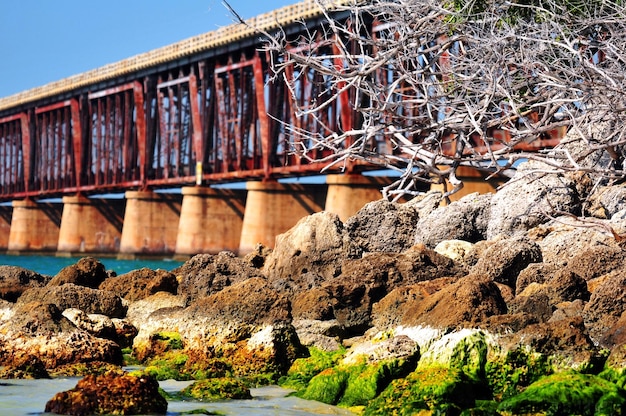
point(46, 40)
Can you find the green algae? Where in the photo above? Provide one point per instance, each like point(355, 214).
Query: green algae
point(172, 340)
point(170, 365)
point(327, 386)
point(470, 355)
point(568, 393)
point(440, 390)
point(304, 369)
point(511, 375)
point(214, 389)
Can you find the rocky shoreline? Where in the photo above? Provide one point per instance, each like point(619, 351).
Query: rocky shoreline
point(496, 304)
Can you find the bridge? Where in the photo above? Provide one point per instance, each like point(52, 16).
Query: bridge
point(190, 116)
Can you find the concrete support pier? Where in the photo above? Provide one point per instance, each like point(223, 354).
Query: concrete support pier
point(91, 225)
point(150, 223)
point(349, 193)
point(6, 212)
point(34, 226)
point(210, 220)
point(273, 208)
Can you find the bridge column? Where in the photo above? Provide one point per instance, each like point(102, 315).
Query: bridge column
point(210, 220)
point(150, 223)
point(34, 226)
point(91, 225)
point(273, 208)
point(5, 226)
point(350, 192)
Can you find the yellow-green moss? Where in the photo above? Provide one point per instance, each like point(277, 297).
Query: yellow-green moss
point(568, 393)
point(304, 369)
point(435, 389)
point(328, 386)
point(214, 389)
point(171, 339)
point(170, 365)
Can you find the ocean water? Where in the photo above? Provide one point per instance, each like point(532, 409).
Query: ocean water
point(51, 265)
point(29, 397)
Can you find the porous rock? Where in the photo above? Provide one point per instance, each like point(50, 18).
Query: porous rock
point(381, 226)
point(40, 330)
point(88, 272)
point(530, 199)
point(110, 393)
point(205, 274)
point(141, 283)
point(308, 254)
point(465, 219)
point(14, 280)
point(70, 295)
point(606, 305)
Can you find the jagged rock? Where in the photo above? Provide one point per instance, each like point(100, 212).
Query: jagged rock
point(139, 311)
point(141, 283)
point(529, 199)
point(566, 310)
point(396, 347)
point(534, 273)
point(100, 326)
point(466, 302)
point(389, 312)
point(506, 258)
point(607, 201)
point(324, 335)
point(125, 332)
point(40, 330)
point(88, 272)
point(597, 261)
point(381, 226)
point(110, 393)
point(465, 219)
point(316, 303)
point(555, 240)
point(14, 280)
point(256, 258)
point(84, 298)
point(25, 367)
point(308, 254)
point(205, 274)
point(606, 305)
point(252, 336)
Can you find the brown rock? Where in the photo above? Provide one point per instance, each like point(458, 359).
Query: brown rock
point(606, 305)
point(141, 283)
point(88, 272)
point(15, 280)
point(70, 295)
point(308, 254)
point(316, 303)
point(598, 261)
point(467, 302)
point(205, 274)
point(504, 260)
point(110, 393)
point(534, 273)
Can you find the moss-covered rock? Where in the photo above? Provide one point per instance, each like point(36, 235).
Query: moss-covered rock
point(368, 381)
point(328, 386)
point(568, 393)
point(439, 390)
point(508, 376)
point(214, 389)
point(170, 365)
point(304, 369)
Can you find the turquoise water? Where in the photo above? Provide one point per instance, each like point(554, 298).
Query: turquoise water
point(51, 265)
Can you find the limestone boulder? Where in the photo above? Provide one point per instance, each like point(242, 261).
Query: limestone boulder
point(40, 330)
point(110, 393)
point(100, 326)
point(88, 272)
point(206, 274)
point(70, 295)
point(141, 283)
point(14, 280)
point(381, 226)
point(139, 311)
point(607, 201)
point(531, 198)
point(308, 254)
point(465, 219)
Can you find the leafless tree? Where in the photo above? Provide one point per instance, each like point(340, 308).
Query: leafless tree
point(432, 85)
